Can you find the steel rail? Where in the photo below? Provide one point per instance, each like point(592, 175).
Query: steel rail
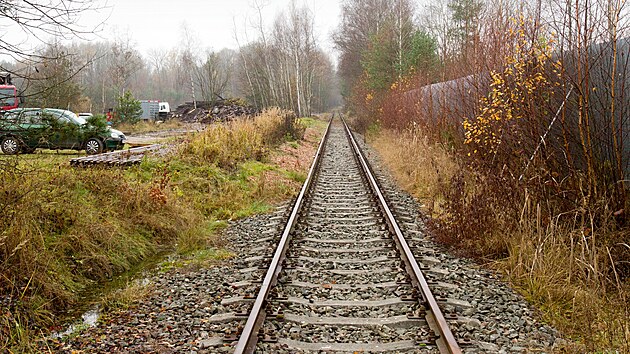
point(249, 335)
point(413, 268)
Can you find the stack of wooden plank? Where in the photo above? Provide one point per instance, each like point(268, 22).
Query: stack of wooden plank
point(117, 158)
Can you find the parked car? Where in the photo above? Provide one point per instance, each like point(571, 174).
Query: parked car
point(25, 129)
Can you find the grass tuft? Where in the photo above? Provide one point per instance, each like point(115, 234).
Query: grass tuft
point(125, 297)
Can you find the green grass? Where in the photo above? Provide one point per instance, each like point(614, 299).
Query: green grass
point(310, 122)
point(124, 297)
point(297, 176)
point(195, 259)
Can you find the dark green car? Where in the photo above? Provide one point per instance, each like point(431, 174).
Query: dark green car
point(22, 130)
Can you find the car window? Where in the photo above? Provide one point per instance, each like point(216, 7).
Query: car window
point(7, 97)
point(63, 119)
point(33, 117)
point(75, 118)
point(10, 117)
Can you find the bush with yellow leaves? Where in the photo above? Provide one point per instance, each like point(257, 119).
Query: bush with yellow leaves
point(520, 97)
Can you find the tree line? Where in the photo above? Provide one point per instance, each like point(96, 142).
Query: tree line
point(561, 67)
point(284, 66)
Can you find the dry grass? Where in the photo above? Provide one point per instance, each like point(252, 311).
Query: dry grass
point(126, 296)
point(419, 167)
point(565, 273)
point(247, 139)
point(64, 229)
point(150, 126)
point(561, 262)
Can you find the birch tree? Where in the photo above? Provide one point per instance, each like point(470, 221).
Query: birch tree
point(285, 67)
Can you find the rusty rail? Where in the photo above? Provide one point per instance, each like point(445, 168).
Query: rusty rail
point(449, 344)
point(249, 336)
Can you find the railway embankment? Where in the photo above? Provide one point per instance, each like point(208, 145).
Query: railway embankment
point(547, 258)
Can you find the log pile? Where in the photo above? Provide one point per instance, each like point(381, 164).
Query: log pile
point(211, 112)
point(120, 157)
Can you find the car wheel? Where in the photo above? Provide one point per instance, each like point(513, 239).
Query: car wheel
point(93, 146)
point(10, 145)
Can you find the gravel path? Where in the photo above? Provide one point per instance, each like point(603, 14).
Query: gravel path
point(191, 310)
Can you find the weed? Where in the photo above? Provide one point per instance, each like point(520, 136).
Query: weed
point(200, 237)
point(309, 122)
point(125, 297)
point(195, 259)
point(296, 176)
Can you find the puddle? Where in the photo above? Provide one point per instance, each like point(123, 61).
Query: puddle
point(90, 312)
point(88, 320)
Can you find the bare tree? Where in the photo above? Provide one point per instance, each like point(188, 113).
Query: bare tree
point(360, 20)
point(55, 84)
point(124, 62)
point(188, 57)
point(39, 20)
point(285, 67)
point(437, 21)
point(211, 77)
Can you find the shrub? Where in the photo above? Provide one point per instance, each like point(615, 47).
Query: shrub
point(128, 109)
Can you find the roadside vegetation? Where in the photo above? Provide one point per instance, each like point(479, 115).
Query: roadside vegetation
point(64, 229)
point(514, 136)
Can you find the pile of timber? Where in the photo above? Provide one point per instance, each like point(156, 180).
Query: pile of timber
point(120, 157)
point(210, 112)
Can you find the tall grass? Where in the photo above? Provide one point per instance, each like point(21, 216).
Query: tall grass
point(65, 229)
point(569, 263)
point(246, 139)
point(412, 149)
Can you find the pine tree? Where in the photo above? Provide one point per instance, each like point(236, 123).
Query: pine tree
point(128, 109)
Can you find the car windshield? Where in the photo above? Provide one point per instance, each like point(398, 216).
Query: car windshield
point(67, 116)
point(10, 116)
point(75, 118)
point(7, 96)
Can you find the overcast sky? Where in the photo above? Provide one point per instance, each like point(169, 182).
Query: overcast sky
point(158, 23)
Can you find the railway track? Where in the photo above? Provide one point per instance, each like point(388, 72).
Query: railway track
point(342, 277)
